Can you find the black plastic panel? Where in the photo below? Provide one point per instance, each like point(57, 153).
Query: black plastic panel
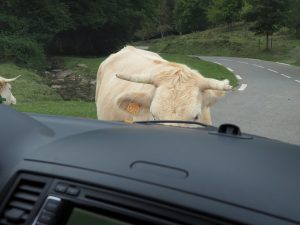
point(246, 180)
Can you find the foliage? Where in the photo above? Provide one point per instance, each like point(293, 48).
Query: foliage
point(68, 27)
point(268, 16)
point(191, 15)
point(294, 16)
point(166, 8)
point(101, 27)
point(237, 42)
point(22, 50)
point(158, 20)
point(225, 11)
point(75, 27)
point(42, 18)
point(10, 24)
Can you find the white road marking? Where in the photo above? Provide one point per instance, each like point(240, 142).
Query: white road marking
point(218, 63)
point(242, 62)
point(283, 64)
point(273, 71)
point(243, 87)
point(238, 77)
point(298, 81)
point(231, 70)
point(258, 66)
point(285, 75)
point(227, 60)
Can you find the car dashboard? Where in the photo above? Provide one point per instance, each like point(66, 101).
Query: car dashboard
point(74, 171)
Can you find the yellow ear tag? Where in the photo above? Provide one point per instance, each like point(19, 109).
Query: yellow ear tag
point(133, 108)
point(128, 121)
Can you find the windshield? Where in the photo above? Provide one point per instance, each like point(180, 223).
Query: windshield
point(204, 61)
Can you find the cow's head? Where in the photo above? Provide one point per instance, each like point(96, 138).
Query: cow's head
point(179, 94)
point(5, 91)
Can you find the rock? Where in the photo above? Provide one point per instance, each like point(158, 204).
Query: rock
point(47, 73)
point(72, 86)
point(55, 71)
point(56, 86)
point(64, 73)
point(82, 65)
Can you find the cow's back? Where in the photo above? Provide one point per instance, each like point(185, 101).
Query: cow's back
point(129, 60)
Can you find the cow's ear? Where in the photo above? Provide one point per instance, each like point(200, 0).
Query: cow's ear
point(134, 103)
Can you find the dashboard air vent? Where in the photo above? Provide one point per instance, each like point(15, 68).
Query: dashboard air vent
point(22, 202)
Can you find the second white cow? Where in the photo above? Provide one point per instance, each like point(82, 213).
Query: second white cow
point(5, 91)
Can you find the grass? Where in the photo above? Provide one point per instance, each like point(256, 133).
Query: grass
point(63, 108)
point(30, 87)
point(207, 69)
point(33, 95)
point(238, 42)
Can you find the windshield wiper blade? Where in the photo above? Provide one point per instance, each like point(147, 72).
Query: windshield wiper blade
point(171, 121)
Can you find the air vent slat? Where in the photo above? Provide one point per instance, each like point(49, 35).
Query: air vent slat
point(26, 196)
point(21, 205)
point(22, 201)
point(3, 222)
point(29, 188)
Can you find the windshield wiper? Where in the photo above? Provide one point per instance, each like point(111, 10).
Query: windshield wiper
point(149, 122)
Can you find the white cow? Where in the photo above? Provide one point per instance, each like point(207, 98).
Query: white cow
point(5, 91)
point(135, 84)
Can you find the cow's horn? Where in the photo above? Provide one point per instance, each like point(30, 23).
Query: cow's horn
point(12, 79)
point(216, 84)
point(140, 78)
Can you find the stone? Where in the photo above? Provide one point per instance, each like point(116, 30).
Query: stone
point(72, 86)
point(56, 86)
point(64, 73)
point(82, 65)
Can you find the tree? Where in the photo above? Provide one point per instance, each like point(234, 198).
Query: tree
point(100, 27)
point(294, 16)
point(42, 18)
point(225, 11)
point(158, 19)
point(190, 15)
point(268, 16)
point(166, 8)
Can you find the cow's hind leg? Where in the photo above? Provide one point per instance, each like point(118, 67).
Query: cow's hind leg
point(206, 117)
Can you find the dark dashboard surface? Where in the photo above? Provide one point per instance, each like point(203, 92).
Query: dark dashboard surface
point(255, 178)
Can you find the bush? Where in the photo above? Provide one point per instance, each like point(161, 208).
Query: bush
point(23, 51)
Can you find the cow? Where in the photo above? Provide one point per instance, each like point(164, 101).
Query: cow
point(6, 95)
point(135, 85)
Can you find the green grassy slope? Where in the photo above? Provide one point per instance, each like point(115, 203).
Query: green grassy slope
point(33, 95)
point(239, 41)
point(29, 87)
point(205, 68)
point(63, 108)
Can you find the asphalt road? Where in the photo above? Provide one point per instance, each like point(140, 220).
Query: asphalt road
point(267, 101)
